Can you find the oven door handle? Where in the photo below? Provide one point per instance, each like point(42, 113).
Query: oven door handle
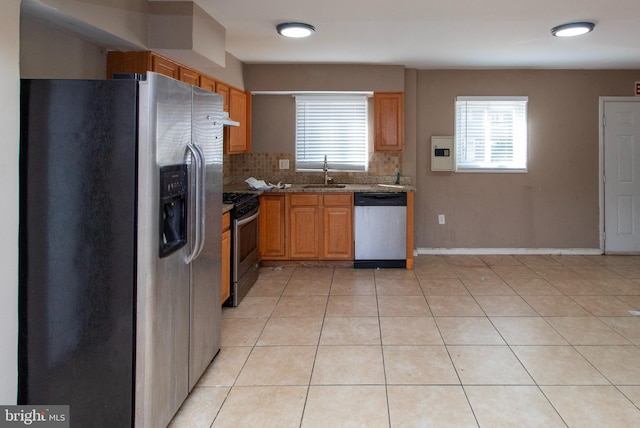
point(249, 219)
point(237, 224)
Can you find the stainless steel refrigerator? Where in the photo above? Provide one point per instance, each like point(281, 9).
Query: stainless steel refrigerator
point(120, 246)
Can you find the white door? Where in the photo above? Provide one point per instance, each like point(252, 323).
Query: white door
point(622, 176)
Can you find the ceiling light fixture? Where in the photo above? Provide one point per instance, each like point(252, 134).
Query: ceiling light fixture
point(295, 29)
point(572, 29)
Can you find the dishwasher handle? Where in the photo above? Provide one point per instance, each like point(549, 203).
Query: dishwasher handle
point(380, 199)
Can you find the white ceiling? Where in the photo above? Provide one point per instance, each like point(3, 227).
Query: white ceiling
point(427, 34)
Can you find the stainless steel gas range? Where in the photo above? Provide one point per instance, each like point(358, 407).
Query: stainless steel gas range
point(244, 243)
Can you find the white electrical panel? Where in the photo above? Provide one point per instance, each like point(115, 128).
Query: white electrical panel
point(442, 154)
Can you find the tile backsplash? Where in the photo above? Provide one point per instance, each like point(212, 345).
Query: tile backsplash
point(383, 167)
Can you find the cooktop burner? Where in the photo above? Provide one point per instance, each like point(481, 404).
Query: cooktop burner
point(243, 203)
point(237, 197)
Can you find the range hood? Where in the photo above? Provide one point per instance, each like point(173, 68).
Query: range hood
point(226, 121)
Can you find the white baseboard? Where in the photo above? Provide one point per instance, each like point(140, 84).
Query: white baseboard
point(510, 251)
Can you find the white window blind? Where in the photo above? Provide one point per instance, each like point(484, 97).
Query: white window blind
point(331, 125)
point(491, 134)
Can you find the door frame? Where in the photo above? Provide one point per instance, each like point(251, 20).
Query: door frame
point(602, 101)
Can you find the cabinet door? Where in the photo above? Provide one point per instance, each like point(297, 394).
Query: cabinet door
point(305, 226)
point(189, 76)
point(338, 233)
point(207, 83)
point(128, 62)
point(304, 232)
point(164, 66)
point(237, 141)
point(223, 90)
point(388, 121)
point(272, 227)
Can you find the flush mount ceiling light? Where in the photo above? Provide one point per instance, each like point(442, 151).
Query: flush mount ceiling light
point(572, 29)
point(295, 29)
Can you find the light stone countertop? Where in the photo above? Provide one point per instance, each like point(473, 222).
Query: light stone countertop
point(319, 188)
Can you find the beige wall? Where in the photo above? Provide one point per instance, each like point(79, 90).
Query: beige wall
point(323, 77)
point(273, 124)
point(273, 119)
point(9, 141)
point(46, 52)
point(124, 20)
point(555, 204)
point(232, 73)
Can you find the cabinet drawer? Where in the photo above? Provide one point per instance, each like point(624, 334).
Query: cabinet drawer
point(302, 200)
point(226, 221)
point(338, 199)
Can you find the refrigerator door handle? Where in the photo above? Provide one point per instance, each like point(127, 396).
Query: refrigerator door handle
point(202, 207)
point(195, 214)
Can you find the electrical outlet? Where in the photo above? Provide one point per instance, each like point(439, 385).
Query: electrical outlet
point(284, 163)
point(440, 218)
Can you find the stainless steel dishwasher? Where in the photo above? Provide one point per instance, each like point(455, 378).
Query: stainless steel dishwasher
point(380, 226)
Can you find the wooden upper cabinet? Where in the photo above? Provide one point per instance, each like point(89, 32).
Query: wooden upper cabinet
point(189, 76)
point(236, 139)
point(223, 89)
point(208, 83)
point(127, 62)
point(388, 121)
point(236, 102)
point(165, 66)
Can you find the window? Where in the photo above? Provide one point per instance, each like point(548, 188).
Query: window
point(332, 125)
point(491, 134)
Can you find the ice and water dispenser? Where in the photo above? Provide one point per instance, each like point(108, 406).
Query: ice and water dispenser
point(173, 208)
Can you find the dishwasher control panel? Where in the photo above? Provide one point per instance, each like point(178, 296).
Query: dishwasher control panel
point(381, 199)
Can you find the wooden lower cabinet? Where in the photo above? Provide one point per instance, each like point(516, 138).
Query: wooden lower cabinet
point(314, 226)
point(304, 232)
point(320, 226)
point(226, 257)
point(272, 235)
point(338, 233)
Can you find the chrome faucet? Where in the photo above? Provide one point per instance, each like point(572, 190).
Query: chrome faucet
point(325, 168)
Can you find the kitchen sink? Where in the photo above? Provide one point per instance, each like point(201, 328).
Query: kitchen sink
point(324, 186)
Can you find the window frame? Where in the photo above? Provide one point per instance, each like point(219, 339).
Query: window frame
point(314, 160)
point(518, 132)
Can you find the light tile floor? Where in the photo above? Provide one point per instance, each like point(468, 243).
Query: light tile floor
point(460, 341)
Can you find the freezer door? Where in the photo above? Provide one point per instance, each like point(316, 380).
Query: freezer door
point(77, 248)
point(162, 341)
point(206, 274)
